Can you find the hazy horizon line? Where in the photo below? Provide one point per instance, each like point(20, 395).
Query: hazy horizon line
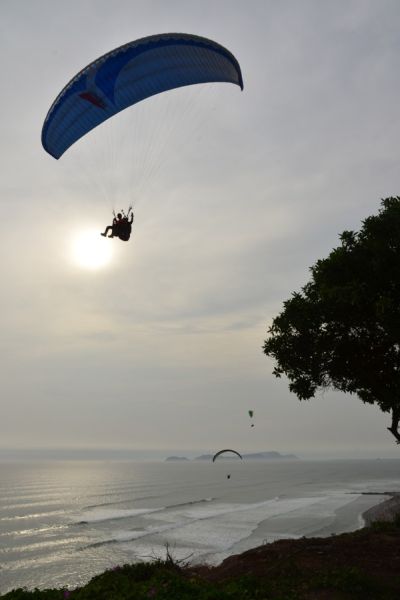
point(81, 453)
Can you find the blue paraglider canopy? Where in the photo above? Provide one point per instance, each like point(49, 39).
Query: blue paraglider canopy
point(129, 74)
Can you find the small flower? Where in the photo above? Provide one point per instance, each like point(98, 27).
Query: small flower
point(67, 594)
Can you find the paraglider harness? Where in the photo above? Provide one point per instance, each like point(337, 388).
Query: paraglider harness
point(122, 228)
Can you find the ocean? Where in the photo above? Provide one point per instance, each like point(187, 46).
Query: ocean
point(62, 522)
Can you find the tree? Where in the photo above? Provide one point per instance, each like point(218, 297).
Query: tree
point(342, 330)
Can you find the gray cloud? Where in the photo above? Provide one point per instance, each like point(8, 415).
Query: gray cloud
point(163, 348)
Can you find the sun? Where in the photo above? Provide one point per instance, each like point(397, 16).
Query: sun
point(89, 250)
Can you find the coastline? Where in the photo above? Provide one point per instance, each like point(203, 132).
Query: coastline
point(313, 568)
point(387, 510)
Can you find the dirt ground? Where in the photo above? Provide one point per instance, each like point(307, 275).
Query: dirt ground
point(373, 551)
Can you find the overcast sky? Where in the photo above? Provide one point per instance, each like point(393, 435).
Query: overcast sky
point(236, 195)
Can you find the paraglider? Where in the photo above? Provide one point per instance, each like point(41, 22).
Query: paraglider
point(124, 77)
point(121, 226)
point(251, 414)
point(129, 74)
point(228, 476)
point(226, 450)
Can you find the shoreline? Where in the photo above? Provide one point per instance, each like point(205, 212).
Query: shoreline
point(387, 510)
point(314, 557)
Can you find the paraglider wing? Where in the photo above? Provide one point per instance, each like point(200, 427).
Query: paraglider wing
point(226, 450)
point(129, 74)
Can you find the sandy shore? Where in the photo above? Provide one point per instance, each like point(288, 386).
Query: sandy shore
point(385, 511)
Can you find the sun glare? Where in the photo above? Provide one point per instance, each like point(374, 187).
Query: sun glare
point(91, 251)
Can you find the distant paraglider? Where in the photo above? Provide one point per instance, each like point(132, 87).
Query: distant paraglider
point(223, 452)
point(251, 414)
point(228, 476)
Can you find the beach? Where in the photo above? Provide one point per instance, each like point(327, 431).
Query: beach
point(386, 511)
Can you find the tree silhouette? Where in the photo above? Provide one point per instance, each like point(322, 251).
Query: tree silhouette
point(342, 330)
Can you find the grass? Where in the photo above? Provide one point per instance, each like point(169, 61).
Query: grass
point(158, 581)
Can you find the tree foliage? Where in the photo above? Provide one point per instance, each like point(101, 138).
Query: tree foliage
point(342, 330)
